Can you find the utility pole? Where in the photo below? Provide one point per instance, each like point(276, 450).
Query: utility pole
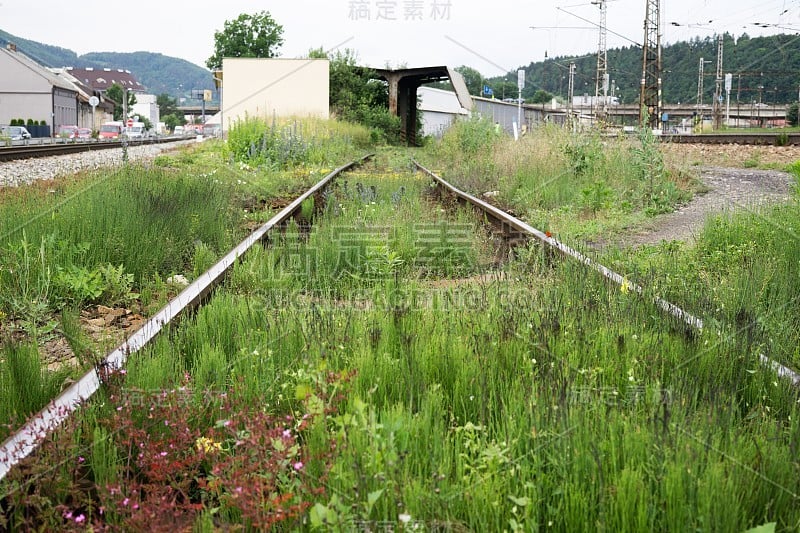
point(650, 94)
point(601, 83)
point(718, 89)
point(700, 75)
point(571, 89)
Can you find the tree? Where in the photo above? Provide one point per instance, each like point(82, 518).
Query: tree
point(255, 35)
point(473, 79)
point(114, 93)
point(792, 114)
point(541, 97)
point(167, 105)
point(357, 96)
point(173, 120)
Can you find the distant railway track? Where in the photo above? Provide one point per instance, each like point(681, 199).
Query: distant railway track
point(24, 442)
point(30, 151)
point(758, 139)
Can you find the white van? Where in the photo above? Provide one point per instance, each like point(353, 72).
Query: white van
point(135, 131)
point(178, 130)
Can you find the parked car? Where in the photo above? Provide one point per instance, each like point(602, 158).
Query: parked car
point(111, 130)
point(16, 133)
point(136, 131)
point(178, 130)
point(84, 133)
point(68, 132)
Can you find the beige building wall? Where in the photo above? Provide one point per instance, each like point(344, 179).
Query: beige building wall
point(274, 87)
point(23, 93)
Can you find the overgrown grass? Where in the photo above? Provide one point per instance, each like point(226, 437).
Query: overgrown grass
point(113, 236)
point(290, 142)
point(574, 185)
point(548, 400)
point(743, 271)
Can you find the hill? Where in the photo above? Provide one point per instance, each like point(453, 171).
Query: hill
point(157, 72)
point(765, 69)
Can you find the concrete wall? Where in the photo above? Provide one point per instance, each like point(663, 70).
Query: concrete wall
point(23, 93)
point(274, 87)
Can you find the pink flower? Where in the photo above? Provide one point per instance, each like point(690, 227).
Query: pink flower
point(298, 465)
point(163, 454)
point(126, 501)
point(79, 519)
point(287, 433)
point(81, 459)
point(68, 515)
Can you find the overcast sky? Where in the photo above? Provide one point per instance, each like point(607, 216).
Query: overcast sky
point(493, 37)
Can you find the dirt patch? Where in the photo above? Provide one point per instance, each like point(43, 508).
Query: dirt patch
point(735, 178)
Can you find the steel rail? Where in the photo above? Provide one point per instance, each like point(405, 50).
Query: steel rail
point(509, 220)
point(29, 151)
point(18, 446)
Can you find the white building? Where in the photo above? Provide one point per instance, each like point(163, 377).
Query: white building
point(146, 107)
point(28, 90)
point(439, 109)
point(274, 87)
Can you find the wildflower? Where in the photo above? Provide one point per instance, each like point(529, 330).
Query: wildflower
point(68, 515)
point(298, 465)
point(80, 518)
point(204, 444)
point(626, 286)
point(81, 459)
point(405, 518)
point(287, 433)
point(163, 454)
point(125, 502)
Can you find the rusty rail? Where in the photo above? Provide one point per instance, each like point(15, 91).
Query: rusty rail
point(26, 439)
point(510, 221)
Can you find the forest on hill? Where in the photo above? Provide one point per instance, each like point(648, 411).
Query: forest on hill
point(157, 72)
point(765, 69)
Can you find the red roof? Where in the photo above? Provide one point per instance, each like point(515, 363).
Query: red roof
point(101, 79)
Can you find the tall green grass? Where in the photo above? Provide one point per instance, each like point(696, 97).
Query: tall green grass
point(573, 184)
point(548, 400)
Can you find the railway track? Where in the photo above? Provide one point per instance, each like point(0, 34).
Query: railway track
point(30, 151)
point(27, 438)
point(758, 139)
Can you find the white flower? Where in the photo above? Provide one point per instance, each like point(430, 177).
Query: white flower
point(405, 518)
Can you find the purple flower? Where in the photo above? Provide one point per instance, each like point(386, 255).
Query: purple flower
point(298, 465)
point(287, 433)
point(126, 501)
point(79, 519)
point(81, 459)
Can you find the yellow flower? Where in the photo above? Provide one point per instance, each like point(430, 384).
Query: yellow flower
point(204, 444)
point(626, 286)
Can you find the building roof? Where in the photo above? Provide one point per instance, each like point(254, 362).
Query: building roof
point(100, 79)
point(53, 78)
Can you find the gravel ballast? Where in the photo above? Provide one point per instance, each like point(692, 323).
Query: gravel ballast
point(26, 171)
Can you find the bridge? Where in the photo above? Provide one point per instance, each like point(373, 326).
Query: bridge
point(212, 108)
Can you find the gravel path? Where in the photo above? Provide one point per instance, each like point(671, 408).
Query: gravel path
point(729, 189)
point(26, 171)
